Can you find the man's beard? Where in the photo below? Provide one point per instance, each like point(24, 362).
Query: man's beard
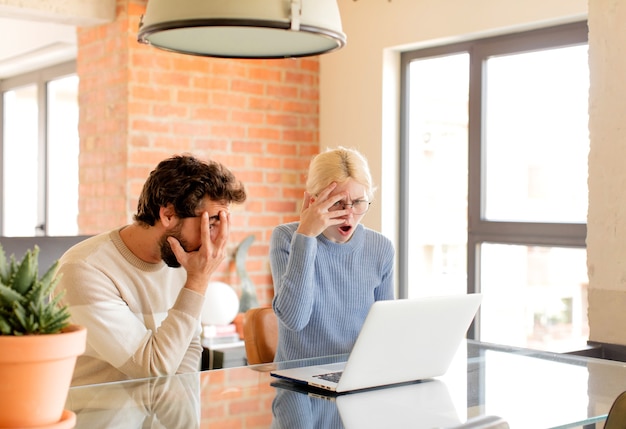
point(167, 254)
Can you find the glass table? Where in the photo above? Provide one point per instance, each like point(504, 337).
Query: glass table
point(526, 388)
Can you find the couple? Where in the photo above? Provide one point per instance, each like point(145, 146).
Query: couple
point(142, 311)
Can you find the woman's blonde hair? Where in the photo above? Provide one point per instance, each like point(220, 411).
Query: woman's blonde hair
point(339, 165)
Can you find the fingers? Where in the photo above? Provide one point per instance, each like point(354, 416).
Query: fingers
point(330, 201)
point(307, 200)
point(326, 191)
point(201, 263)
point(178, 250)
point(318, 213)
point(214, 241)
point(325, 200)
point(223, 231)
point(205, 233)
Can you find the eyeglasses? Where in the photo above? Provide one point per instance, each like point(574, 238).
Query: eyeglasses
point(359, 207)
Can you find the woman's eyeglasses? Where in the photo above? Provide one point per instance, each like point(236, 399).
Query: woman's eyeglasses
point(358, 206)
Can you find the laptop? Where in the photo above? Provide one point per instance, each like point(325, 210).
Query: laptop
point(401, 341)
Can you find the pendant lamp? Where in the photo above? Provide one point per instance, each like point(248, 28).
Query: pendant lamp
point(243, 28)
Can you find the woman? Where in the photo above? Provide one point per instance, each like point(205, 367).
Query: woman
point(327, 268)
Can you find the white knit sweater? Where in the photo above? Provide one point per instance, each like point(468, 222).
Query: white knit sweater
point(140, 320)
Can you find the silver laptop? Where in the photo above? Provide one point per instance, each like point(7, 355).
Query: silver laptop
point(401, 341)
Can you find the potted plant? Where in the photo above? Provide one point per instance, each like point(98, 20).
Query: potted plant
point(38, 346)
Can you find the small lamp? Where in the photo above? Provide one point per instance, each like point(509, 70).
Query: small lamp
point(243, 28)
point(221, 304)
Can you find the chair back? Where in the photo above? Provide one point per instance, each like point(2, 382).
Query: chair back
point(616, 418)
point(260, 335)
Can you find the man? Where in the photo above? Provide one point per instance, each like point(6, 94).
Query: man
point(142, 311)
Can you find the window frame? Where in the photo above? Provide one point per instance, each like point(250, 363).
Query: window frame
point(40, 78)
point(481, 230)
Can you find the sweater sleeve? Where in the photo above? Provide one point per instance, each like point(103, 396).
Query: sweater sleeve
point(292, 260)
point(118, 334)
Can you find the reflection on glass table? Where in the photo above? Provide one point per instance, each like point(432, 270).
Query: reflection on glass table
point(526, 388)
point(389, 407)
point(161, 402)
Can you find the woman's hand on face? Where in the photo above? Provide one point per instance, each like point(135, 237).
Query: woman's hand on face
point(201, 263)
point(316, 215)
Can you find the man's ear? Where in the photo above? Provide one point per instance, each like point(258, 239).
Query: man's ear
point(167, 214)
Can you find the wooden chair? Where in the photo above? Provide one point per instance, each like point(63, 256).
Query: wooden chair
point(260, 334)
point(616, 418)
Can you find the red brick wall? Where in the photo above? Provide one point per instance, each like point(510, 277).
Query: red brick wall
point(139, 105)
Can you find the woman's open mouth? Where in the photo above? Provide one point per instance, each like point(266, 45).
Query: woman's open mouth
point(345, 228)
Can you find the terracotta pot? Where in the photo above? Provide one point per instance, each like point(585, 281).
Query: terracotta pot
point(35, 376)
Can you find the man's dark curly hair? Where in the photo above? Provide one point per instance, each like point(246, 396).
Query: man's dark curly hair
point(184, 181)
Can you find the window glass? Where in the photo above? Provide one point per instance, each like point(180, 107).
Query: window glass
point(494, 182)
point(438, 175)
point(20, 190)
point(40, 147)
point(534, 296)
point(63, 156)
point(536, 136)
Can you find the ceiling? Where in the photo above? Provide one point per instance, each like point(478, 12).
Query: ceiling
point(29, 45)
point(39, 33)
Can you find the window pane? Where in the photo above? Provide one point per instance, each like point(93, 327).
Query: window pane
point(534, 297)
point(20, 162)
point(536, 136)
point(63, 146)
point(438, 175)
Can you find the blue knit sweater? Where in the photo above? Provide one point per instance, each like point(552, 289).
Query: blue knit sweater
point(323, 290)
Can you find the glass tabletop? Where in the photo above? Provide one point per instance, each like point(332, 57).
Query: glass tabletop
point(526, 388)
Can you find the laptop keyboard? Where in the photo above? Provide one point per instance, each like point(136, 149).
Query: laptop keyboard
point(330, 376)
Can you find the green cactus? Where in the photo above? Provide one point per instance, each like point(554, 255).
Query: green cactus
point(26, 303)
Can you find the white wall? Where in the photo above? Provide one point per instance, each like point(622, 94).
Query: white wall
point(606, 222)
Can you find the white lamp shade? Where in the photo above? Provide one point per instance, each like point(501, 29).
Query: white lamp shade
point(221, 304)
point(243, 28)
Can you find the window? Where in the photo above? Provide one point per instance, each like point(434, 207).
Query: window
point(494, 182)
point(39, 168)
